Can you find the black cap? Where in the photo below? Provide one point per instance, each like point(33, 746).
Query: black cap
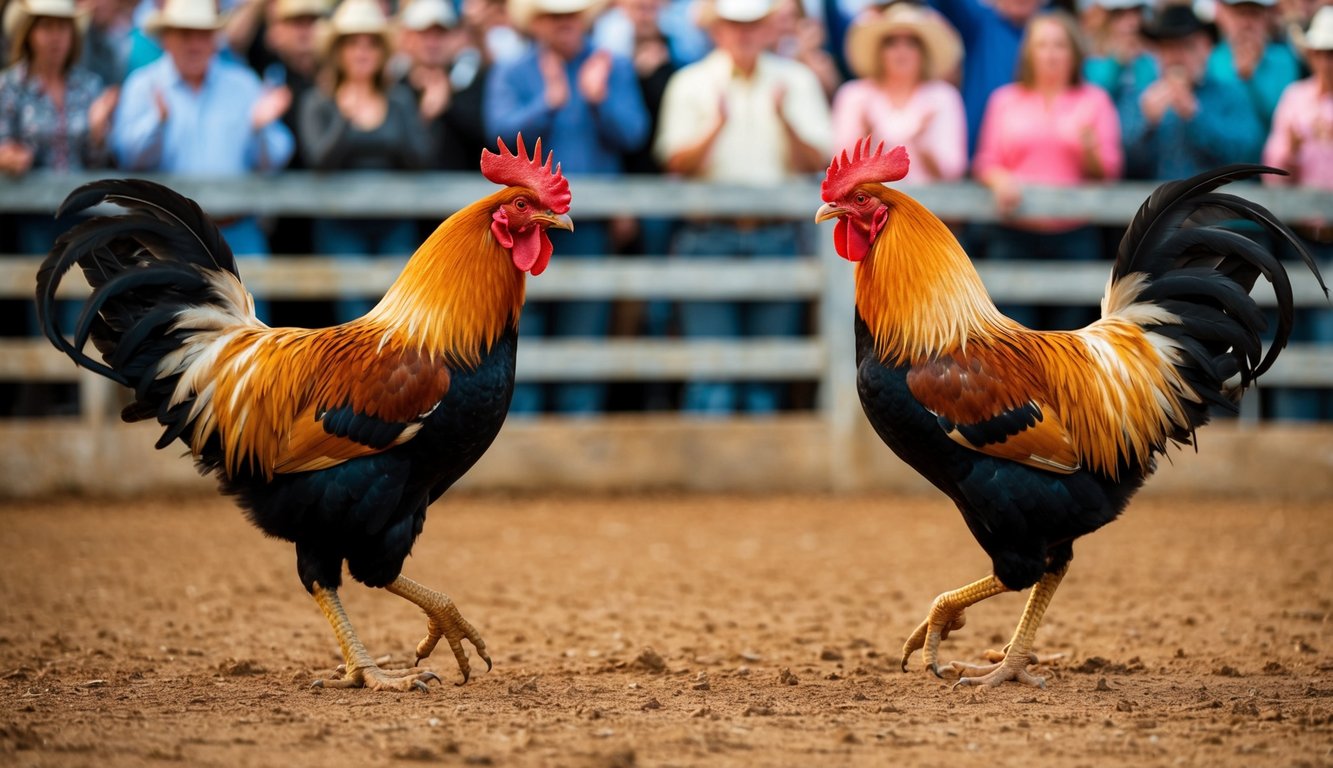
point(1174, 22)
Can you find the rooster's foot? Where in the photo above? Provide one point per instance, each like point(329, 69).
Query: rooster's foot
point(377, 679)
point(442, 621)
point(946, 615)
point(1002, 669)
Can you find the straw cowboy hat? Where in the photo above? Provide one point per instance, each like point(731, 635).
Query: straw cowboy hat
point(522, 12)
point(354, 17)
point(941, 44)
point(294, 9)
point(1320, 35)
point(198, 15)
point(20, 14)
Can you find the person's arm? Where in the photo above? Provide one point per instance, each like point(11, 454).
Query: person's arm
point(513, 105)
point(848, 117)
point(988, 165)
point(323, 131)
point(1138, 137)
point(687, 129)
point(140, 124)
point(804, 114)
point(414, 148)
point(1224, 128)
point(946, 137)
point(1103, 157)
point(622, 119)
point(1281, 150)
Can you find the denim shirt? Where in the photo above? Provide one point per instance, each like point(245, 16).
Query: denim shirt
point(1224, 130)
point(588, 138)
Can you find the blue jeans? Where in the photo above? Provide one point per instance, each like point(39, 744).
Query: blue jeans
point(362, 237)
point(569, 319)
point(1080, 244)
point(718, 319)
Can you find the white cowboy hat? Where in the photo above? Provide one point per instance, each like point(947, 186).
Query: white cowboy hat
point(738, 11)
point(19, 15)
point(1319, 37)
point(522, 12)
point(941, 44)
point(354, 17)
point(201, 15)
point(424, 14)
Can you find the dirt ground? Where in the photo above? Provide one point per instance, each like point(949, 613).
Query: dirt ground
point(163, 631)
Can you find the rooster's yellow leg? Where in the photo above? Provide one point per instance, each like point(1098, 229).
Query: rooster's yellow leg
point(360, 669)
point(443, 620)
point(1018, 655)
point(946, 615)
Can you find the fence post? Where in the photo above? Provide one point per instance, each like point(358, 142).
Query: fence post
point(839, 404)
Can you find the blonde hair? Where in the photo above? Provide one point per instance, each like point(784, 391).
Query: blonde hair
point(1077, 46)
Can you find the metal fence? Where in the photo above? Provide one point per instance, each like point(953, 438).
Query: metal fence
point(825, 356)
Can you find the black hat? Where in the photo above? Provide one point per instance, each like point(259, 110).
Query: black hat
point(1174, 22)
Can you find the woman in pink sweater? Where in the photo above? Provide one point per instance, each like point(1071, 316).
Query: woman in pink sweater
point(1049, 128)
point(899, 56)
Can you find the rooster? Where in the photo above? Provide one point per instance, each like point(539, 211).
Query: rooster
point(335, 439)
point(1042, 437)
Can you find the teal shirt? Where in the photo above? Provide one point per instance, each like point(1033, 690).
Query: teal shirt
point(1277, 69)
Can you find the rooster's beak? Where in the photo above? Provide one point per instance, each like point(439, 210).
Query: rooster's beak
point(555, 220)
point(829, 211)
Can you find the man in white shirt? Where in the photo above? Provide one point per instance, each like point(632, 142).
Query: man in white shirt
point(741, 115)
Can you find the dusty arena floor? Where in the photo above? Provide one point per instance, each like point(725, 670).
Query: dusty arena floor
point(168, 631)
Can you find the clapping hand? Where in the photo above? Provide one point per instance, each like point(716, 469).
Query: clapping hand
point(594, 77)
point(271, 105)
point(552, 68)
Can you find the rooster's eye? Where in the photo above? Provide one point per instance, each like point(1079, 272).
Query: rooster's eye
point(860, 199)
point(520, 204)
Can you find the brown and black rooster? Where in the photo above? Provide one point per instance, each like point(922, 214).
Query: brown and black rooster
point(335, 439)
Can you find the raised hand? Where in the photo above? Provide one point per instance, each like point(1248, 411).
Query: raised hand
point(552, 68)
point(271, 105)
point(594, 76)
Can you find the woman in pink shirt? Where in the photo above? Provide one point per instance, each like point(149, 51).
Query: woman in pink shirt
point(899, 56)
point(1049, 128)
point(1301, 143)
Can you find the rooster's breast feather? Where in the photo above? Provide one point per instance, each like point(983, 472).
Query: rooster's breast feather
point(287, 400)
point(990, 404)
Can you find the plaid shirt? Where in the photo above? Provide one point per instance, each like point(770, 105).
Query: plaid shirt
point(58, 136)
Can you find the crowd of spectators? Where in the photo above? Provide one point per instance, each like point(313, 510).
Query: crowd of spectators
point(748, 92)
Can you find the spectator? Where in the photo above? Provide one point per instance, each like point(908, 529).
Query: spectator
point(487, 23)
point(741, 115)
point(801, 38)
point(355, 121)
point(587, 103)
point(1119, 62)
point(900, 98)
point(1249, 56)
point(447, 78)
point(1302, 143)
point(1048, 128)
point(193, 112)
point(991, 34)
point(107, 40)
point(1185, 121)
point(54, 116)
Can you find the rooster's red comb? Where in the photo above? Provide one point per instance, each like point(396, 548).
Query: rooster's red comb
point(845, 173)
point(522, 171)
